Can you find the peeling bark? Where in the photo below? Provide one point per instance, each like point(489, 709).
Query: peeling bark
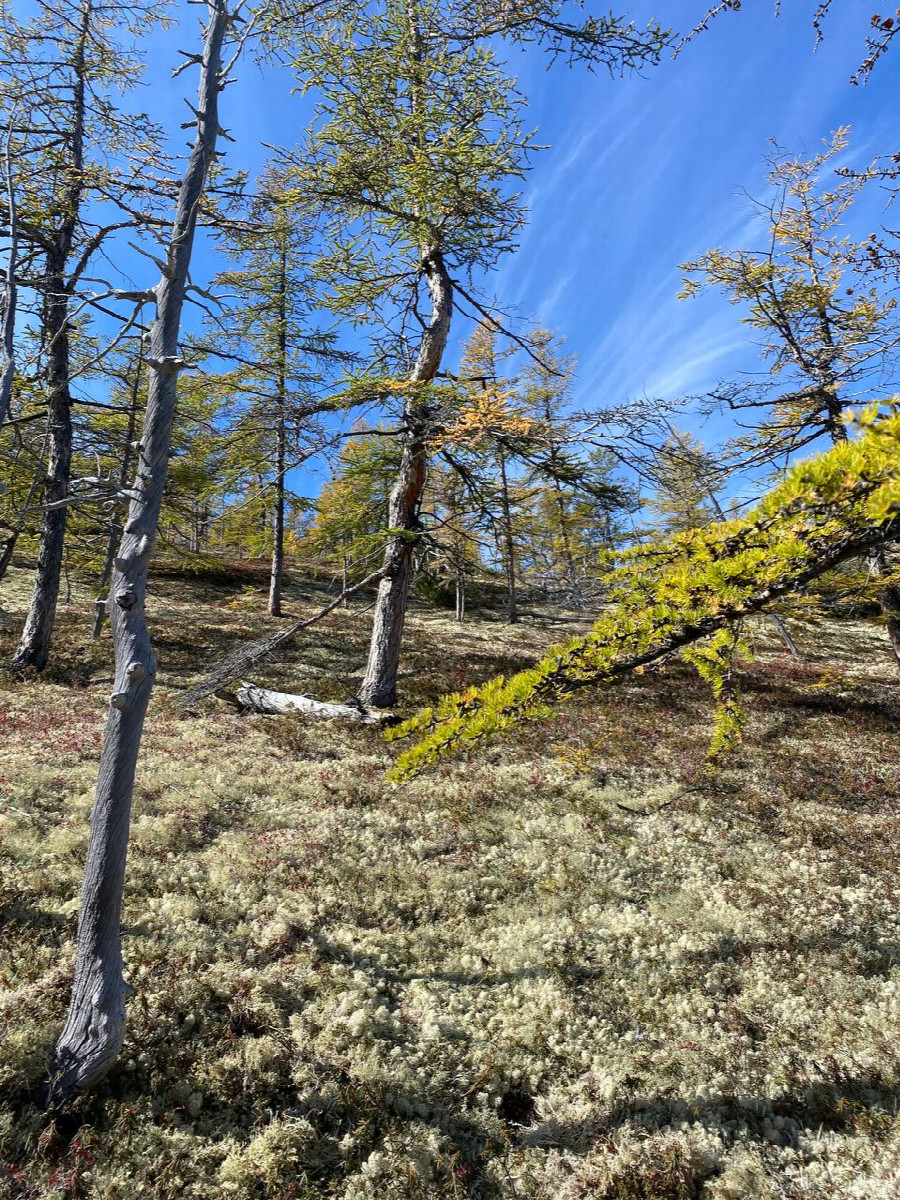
point(95, 1026)
point(379, 687)
point(262, 700)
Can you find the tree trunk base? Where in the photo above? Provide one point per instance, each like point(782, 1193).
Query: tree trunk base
point(91, 1040)
point(889, 598)
point(379, 695)
point(261, 700)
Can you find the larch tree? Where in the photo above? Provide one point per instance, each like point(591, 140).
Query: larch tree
point(536, 485)
point(280, 358)
point(830, 331)
point(688, 594)
point(455, 531)
point(95, 1025)
point(414, 159)
point(199, 478)
point(686, 477)
point(350, 515)
point(486, 463)
point(577, 495)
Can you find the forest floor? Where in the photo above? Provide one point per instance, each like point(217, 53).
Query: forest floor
point(578, 965)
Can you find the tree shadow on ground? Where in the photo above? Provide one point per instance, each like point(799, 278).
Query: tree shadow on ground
point(821, 1096)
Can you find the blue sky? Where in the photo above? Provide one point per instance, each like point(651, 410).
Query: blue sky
point(647, 172)
point(643, 173)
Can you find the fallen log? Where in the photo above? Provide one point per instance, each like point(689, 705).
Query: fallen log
point(235, 663)
point(251, 698)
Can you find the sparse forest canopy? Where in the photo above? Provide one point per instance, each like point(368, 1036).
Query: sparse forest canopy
point(329, 457)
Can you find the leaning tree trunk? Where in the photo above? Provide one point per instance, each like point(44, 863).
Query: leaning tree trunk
point(95, 1027)
point(379, 685)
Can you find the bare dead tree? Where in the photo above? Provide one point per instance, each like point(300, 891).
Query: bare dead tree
point(95, 1026)
point(100, 604)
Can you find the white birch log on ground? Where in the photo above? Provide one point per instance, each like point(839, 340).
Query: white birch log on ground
point(262, 700)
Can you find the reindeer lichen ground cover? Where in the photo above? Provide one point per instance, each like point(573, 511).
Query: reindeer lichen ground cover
point(582, 966)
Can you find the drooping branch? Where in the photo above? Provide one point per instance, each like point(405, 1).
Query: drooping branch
point(671, 595)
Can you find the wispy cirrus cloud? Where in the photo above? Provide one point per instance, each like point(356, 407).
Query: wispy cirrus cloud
point(647, 173)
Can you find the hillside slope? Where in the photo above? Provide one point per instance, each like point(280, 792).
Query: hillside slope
point(581, 966)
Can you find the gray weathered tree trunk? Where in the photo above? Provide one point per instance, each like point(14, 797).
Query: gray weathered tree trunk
point(10, 294)
point(275, 582)
point(379, 685)
point(95, 1026)
point(34, 644)
point(509, 546)
point(263, 700)
point(102, 601)
point(889, 599)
